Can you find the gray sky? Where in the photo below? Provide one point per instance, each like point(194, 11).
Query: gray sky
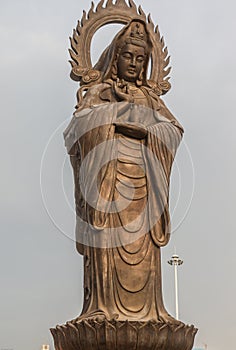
point(40, 271)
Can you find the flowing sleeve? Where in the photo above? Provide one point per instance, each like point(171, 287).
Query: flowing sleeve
point(89, 142)
point(163, 140)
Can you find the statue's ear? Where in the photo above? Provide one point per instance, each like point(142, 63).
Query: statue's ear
point(140, 79)
point(114, 70)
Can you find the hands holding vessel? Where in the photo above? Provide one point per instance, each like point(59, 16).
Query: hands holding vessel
point(131, 129)
point(136, 130)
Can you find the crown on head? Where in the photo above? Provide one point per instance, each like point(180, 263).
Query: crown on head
point(137, 31)
point(135, 34)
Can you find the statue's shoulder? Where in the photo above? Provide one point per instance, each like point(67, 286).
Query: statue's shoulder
point(96, 90)
point(159, 105)
point(95, 95)
point(104, 92)
point(154, 97)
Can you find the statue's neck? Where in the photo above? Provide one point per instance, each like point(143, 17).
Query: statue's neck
point(132, 84)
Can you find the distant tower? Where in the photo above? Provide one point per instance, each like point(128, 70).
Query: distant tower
point(45, 347)
point(176, 261)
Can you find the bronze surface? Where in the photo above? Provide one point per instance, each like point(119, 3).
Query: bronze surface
point(122, 140)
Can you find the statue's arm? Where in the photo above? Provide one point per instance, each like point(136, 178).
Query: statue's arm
point(135, 130)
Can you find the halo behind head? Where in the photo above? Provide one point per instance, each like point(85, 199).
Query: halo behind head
point(123, 13)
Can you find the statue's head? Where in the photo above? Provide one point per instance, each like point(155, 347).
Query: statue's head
point(128, 55)
point(131, 54)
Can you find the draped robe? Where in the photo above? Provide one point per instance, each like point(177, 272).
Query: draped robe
point(122, 197)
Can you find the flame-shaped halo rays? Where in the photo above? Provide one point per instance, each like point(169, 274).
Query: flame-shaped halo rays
point(122, 13)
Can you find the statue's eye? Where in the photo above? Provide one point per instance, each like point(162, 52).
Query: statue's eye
point(127, 55)
point(140, 59)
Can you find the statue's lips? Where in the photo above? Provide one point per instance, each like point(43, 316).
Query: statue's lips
point(131, 71)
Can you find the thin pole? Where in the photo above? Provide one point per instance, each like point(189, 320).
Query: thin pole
point(176, 293)
point(176, 261)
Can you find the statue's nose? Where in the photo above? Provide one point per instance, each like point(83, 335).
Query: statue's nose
point(133, 62)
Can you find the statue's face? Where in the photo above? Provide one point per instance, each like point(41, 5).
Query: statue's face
point(130, 62)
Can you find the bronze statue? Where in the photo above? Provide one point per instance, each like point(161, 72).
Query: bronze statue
point(122, 142)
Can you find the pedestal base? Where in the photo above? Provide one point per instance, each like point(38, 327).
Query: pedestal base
point(123, 335)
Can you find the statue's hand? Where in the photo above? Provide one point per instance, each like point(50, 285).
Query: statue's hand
point(121, 90)
point(135, 130)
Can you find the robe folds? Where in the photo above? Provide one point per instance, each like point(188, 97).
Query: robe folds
point(122, 213)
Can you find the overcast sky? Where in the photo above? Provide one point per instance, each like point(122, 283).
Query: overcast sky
point(41, 273)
